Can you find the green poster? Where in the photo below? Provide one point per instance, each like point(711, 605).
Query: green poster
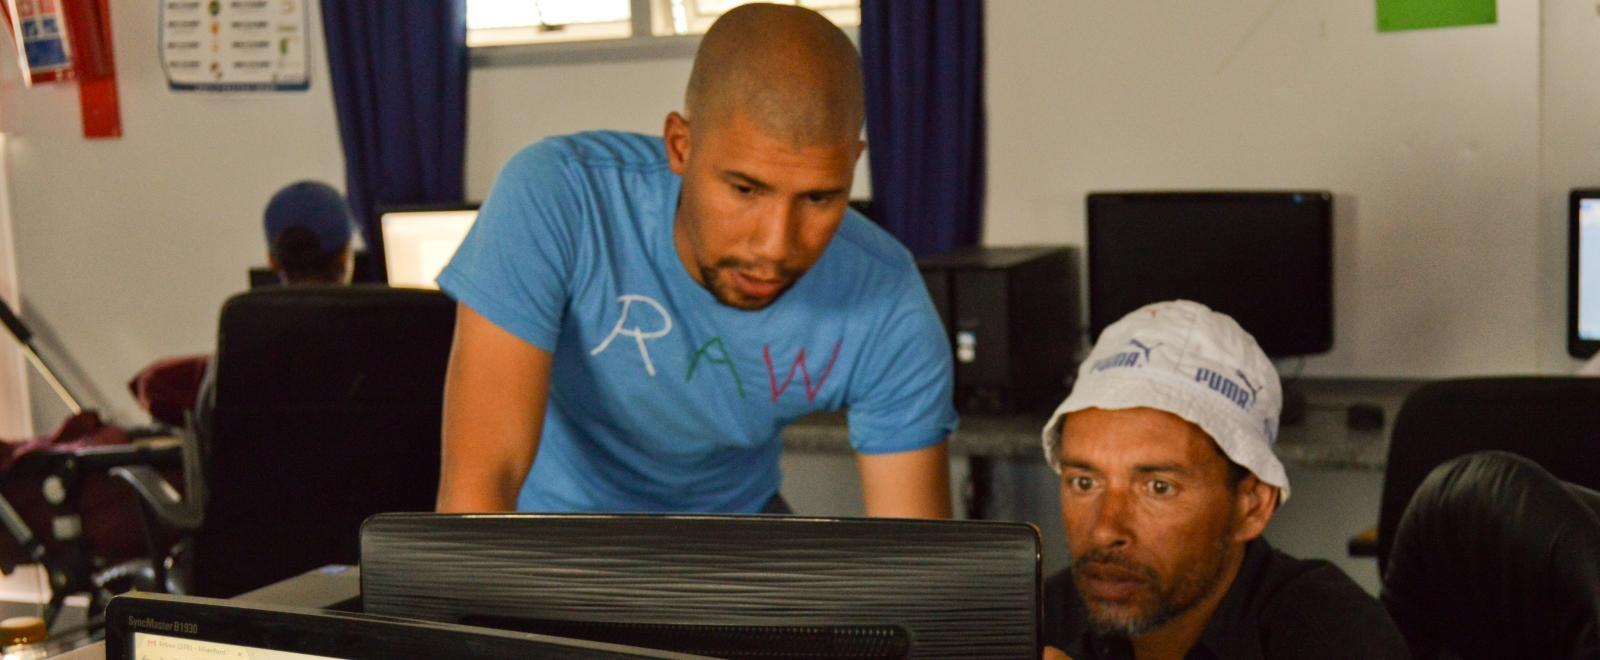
point(1396, 15)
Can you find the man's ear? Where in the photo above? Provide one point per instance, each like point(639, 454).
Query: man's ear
point(1254, 502)
point(676, 135)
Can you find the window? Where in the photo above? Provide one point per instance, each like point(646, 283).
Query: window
point(696, 16)
point(506, 22)
point(510, 22)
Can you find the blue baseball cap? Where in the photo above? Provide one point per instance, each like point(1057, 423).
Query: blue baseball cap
point(314, 206)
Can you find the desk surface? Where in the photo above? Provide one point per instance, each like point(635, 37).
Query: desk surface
point(95, 651)
point(1320, 440)
point(332, 587)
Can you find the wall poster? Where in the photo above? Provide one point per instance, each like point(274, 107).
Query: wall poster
point(234, 45)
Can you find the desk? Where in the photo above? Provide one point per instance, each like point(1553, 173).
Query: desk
point(1321, 439)
point(333, 587)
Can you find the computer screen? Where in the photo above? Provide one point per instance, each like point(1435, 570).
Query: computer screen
point(149, 646)
point(361, 272)
point(1264, 258)
point(166, 627)
point(723, 586)
point(418, 243)
point(1583, 273)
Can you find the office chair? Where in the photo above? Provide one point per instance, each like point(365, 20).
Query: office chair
point(1497, 558)
point(327, 404)
point(1553, 421)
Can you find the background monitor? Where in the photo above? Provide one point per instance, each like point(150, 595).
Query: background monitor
point(723, 586)
point(165, 627)
point(1264, 258)
point(418, 242)
point(360, 272)
point(1583, 272)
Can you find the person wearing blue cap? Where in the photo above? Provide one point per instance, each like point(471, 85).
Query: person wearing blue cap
point(308, 226)
point(308, 234)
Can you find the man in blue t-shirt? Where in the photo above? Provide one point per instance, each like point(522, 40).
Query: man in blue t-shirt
point(640, 317)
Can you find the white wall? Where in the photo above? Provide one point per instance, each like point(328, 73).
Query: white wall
point(1570, 155)
point(1450, 245)
point(1429, 140)
point(1451, 152)
point(16, 417)
point(126, 248)
point(509, 107)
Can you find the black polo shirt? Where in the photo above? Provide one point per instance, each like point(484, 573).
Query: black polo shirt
point(1277, 607)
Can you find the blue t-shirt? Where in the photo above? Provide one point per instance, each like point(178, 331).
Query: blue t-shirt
point(662, 398)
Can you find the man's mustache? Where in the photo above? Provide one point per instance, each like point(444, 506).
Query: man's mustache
point(764, 269)
point(1105, 557)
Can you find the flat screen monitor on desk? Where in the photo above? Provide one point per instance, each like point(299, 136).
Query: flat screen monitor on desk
point(360, 272)
point(1264, 258)
point(1583, 272)
point(418, 242)
point(165, 627)
point(723, 586)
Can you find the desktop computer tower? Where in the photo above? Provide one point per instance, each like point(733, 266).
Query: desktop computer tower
point(1012, 318)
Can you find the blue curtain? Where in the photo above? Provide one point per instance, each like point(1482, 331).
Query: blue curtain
point(399, 75)
point(923, 63)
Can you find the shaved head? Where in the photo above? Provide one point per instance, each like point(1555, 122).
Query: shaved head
point(767, 151)
point(787, 69)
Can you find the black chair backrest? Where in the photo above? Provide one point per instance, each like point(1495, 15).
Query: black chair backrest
point(1553, 421)
point(1496, 558)
point(328, 403)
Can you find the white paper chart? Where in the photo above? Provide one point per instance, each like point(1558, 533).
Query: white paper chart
point(234, 45)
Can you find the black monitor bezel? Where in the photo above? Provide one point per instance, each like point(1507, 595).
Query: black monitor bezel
point(1577, 346)
point(1097, 324)
point(471, 552)
point(333, 634)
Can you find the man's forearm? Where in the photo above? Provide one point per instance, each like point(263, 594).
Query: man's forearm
point(495, 392)
point(910, 484)
point(476, 495)
point(484, 463)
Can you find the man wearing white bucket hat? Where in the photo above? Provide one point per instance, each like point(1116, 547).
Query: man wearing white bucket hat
point(1167, 480)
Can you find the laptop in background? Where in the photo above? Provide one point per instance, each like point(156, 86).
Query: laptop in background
point(361, 272)
point(418, 242)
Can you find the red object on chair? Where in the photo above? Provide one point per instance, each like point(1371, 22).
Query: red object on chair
point(167, 388)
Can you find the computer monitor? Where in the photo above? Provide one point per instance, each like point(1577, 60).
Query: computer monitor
point(419, 241)
point(723, 586)
point(1264, 258)
point(165, 627)
point(360, 272)
point(1583, 272)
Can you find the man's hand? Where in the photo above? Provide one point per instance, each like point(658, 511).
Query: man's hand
point(908, 484)
point(494, 401)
